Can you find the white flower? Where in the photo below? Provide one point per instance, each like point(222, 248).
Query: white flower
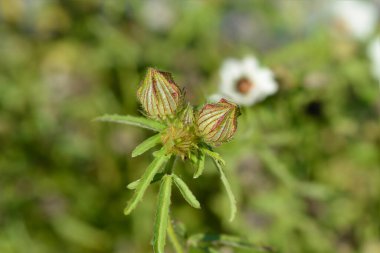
point(358, 18)
point(245, 82)
point(158, 15)
point(374, 55)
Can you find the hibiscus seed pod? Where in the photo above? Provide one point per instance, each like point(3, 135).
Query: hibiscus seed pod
point(159, 95)
point(217, 122)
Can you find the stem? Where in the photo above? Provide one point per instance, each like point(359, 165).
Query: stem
point(169, 166)
point(173, 238)
point(171, 232)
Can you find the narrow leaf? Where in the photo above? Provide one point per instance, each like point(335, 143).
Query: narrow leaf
point(162, 215)
point(200, 164)
point(209, 240)
point(186, 192)
point(231, 197)
point(213, 155)
point(146, 145)
point(144, 182)
point(134, 121)
point(133, 185)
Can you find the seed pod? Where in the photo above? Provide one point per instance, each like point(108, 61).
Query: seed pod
point(217, 122)
point(159, 95)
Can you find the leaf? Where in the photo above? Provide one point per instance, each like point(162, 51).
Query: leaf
point(200, 163)
point(134, 184)
point(144, 182)
point(134, 121)
point(177, 235)
point(146, 145)
point(214, 155)
point(231, 197)
point(223, 240)
point(186, 192)
point(162, 215)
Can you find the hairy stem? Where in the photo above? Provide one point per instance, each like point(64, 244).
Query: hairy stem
point(171, 232)
point(174, 239)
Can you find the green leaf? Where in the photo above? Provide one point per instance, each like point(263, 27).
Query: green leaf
point(223, 240)
point(145, 180)
point(162, 215)
point(200, 163)
point(186, 192)
point(146, 145)
point(134, 184)
point(214, 155)
point(231, 197)
point(134, 121)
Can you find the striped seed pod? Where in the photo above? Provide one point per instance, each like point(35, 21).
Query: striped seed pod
point(217, 122)
point(159, 95)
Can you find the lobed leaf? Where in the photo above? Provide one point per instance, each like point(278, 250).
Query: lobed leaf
point(146, 145)
point(132, 120)
point(162, 215)
point(186, 192)
point(145, 180)
point(231, 197)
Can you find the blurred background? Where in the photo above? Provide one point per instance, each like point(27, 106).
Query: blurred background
point(305, 164)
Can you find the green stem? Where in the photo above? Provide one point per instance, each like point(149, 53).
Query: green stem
point(173, 238)
point(171, 232)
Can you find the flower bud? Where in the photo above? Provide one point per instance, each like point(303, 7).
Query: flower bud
point(188, 115)
point(217, 122)
point(159, 95)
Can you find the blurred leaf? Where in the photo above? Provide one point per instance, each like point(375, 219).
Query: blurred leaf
point(77, 231)
point(231, 197)
point(219, 240)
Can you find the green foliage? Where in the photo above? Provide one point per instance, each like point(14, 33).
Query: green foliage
point(186, 192)
point(134, 121)
point(133, 185)
point(144, 182)
point(162, 215)
point(146, 145)
point(227, 187)
point(210, 241)
point(200, 164)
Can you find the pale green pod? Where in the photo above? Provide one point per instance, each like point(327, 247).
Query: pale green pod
point(159, 95)
point(217, 122)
